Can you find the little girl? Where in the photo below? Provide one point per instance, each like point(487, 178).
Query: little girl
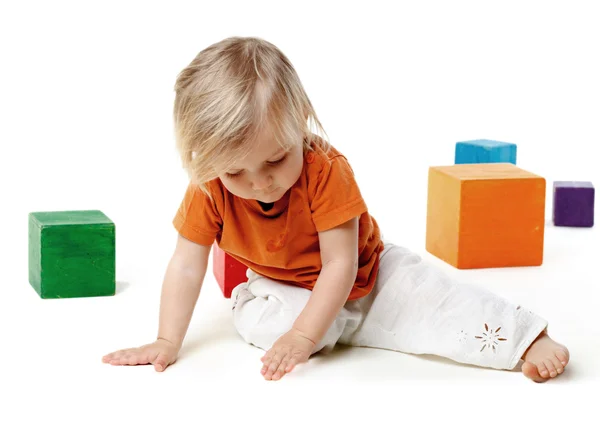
point(280, 199)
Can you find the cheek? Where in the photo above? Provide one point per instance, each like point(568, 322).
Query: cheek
point(294, 169)
point(233, 186)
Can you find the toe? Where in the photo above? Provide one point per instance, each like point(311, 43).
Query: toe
point(531, 371)
point(562, 356)
point(542, 370)
point(550, 367)
point(557, 365)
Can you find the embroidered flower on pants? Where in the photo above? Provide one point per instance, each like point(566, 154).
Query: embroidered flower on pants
point(490, 338)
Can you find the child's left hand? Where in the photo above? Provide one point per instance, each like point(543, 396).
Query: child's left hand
point(289, 350)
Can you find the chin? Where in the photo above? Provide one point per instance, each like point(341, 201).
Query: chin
point(273, 197)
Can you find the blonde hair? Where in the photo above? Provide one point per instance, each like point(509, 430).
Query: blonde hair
point(228, 94)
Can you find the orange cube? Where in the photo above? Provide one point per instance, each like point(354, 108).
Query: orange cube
point(486, 215)
point(228, 271)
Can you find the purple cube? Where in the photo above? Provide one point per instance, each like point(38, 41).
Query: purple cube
point(573, 204)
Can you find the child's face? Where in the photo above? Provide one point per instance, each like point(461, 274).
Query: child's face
point(267, 172)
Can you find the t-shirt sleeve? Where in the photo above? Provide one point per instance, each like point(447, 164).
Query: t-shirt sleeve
point(335, 195)
point(198, 218)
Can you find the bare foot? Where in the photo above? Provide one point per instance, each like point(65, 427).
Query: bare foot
point(544, 359)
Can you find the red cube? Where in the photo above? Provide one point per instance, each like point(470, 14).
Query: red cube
point(228, 271)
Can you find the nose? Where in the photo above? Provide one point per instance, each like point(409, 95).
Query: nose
point(262, 182)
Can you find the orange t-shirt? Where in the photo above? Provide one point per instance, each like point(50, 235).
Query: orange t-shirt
point(282, 243)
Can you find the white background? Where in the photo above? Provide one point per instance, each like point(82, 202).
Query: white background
point(85, 113)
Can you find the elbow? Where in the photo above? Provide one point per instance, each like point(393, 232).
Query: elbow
point(354, 267)
point(347, 266)
point(189, 269)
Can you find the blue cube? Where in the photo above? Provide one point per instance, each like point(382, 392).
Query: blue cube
point(485, 151)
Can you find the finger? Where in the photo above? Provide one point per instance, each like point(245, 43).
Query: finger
point(139, 358)
point(145, 358)
point(273, 366)
point(118, 356)
point(266, 359)
point(114, 355)
point(160, 363)
point(118, 361)
point(280, 372)
point(291, 364)
point(285, 361)
point(125, 351)
point(132, 358)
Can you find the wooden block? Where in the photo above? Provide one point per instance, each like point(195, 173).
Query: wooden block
point(573, 204)
point(485, 151)
point(485, 215)
point(71, 254)
point(228, 271)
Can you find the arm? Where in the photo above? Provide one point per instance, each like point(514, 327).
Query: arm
point(181, 288)
point(339, 258)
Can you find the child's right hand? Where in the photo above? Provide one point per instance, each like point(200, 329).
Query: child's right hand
point(160, 353)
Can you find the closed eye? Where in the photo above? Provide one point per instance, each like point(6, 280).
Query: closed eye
point(270, 163)
point(233, 175)
point(276, 162)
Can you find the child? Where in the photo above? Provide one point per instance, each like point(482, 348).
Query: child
point(283, 201)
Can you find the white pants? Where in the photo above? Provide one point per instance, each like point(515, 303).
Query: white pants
point(413, 308)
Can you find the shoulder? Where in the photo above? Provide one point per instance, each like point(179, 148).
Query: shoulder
point(333, 194)
point(211, 197)
point(199, 217)
point(320, 162)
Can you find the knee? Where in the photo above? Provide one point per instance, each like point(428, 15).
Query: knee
point(247, 308)
point(260, 321)
point(401, 254)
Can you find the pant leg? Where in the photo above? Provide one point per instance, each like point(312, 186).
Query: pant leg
point(264, 310)
point(416, 308)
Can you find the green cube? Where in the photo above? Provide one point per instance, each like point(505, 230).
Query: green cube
point(71, 254)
